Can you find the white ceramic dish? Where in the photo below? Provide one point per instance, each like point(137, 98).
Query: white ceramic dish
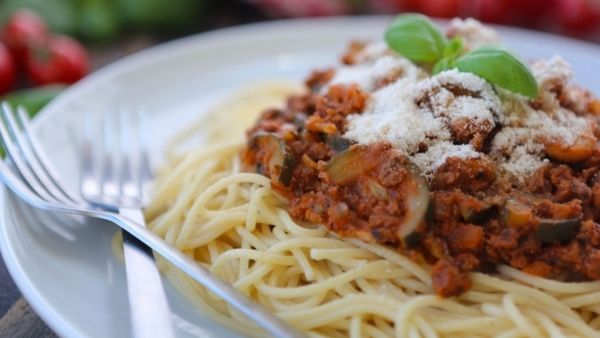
point(68, 273)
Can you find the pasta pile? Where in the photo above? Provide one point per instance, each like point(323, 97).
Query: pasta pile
point(231, 222)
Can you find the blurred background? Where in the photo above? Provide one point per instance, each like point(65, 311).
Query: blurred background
point(48, 42)
point(46, 45)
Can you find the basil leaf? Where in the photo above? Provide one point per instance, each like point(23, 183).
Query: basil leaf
point(416, 37)
point(499, 67)
point(453, 48)
point(442, 65)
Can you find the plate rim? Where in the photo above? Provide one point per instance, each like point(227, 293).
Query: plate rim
point(210, 39)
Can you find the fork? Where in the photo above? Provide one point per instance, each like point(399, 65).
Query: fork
point(121, 191)
point(30, 176)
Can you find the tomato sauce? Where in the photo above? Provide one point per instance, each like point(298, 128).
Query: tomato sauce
point(468, 218)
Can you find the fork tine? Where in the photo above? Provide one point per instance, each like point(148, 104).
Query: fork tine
point(144, 171)
point(31, 159)
point(109, 188)
point(15, 155)
point(128, 189)
point(39, 157)
point(88, 184)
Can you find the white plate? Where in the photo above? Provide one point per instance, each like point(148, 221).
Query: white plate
point(68, 273)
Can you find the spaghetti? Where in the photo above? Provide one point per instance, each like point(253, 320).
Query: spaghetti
point(232, 223)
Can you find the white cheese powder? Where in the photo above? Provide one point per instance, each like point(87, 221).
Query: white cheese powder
point(392, 115)
point(415, 111)
point(473, 33)
point(366, 74)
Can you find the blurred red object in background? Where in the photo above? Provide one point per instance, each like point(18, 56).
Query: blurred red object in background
point(578, 16)
point(440, 8)
point(573, 17)
point(24, 29)
point(62, 60)
point(497, 11)
point(7, 70)
point(294, 8)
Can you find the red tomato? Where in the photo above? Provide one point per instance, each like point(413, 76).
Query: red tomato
point(64, 60)
point(578, 16)
point(7, 70)
point(440, 8)
point(24, 30)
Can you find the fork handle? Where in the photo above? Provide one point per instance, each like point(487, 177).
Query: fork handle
point(148, 307)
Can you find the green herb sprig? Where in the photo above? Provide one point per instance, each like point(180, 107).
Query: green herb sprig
point(418, 39)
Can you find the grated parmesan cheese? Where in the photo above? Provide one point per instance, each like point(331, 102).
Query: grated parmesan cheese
point(415, 113)
point(474, 34)
point(392, 116)
point(429, 161)
point(453, 108)
point(366, 74)
point(516, 153)
point(553, 72)
point(373, 51)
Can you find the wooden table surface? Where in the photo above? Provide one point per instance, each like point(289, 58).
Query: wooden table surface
point(17, 319)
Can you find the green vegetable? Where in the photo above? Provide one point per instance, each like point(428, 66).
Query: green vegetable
point(159, 15)
point(281, 161)
point(452, 50)
point(499, 67)
point(416, 37)
point(442, 65)
point(60, 15)
point(97, 20)
point(33, 99)
point(557, 230)
point(338, 143)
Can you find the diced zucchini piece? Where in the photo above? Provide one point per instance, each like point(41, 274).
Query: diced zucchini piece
point(280, 157)
point(347, 166)
point(338, 143)
point(517, 214)
point(475, 214)
point(557, 230)
point(377, 189)
point(417, 207)
point(300, 121)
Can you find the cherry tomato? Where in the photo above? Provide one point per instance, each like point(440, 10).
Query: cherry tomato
point(23, 30)
point(63, 60)
point(578, 16)
point(7, 70)
point(440, 8)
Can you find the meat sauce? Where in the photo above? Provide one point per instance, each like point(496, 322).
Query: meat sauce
point(467, 218)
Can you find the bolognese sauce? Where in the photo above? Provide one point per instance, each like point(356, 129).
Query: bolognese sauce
point(446, 168)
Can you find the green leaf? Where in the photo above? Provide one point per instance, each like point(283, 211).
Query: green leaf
point(33, 100)
point(442, 65)
point(60, 15)
point(499, 67)
point(453, 48)
point(416, 37)
point(97, 20)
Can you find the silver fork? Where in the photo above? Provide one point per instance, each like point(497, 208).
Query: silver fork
point(31, 177)
point(111, 182)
